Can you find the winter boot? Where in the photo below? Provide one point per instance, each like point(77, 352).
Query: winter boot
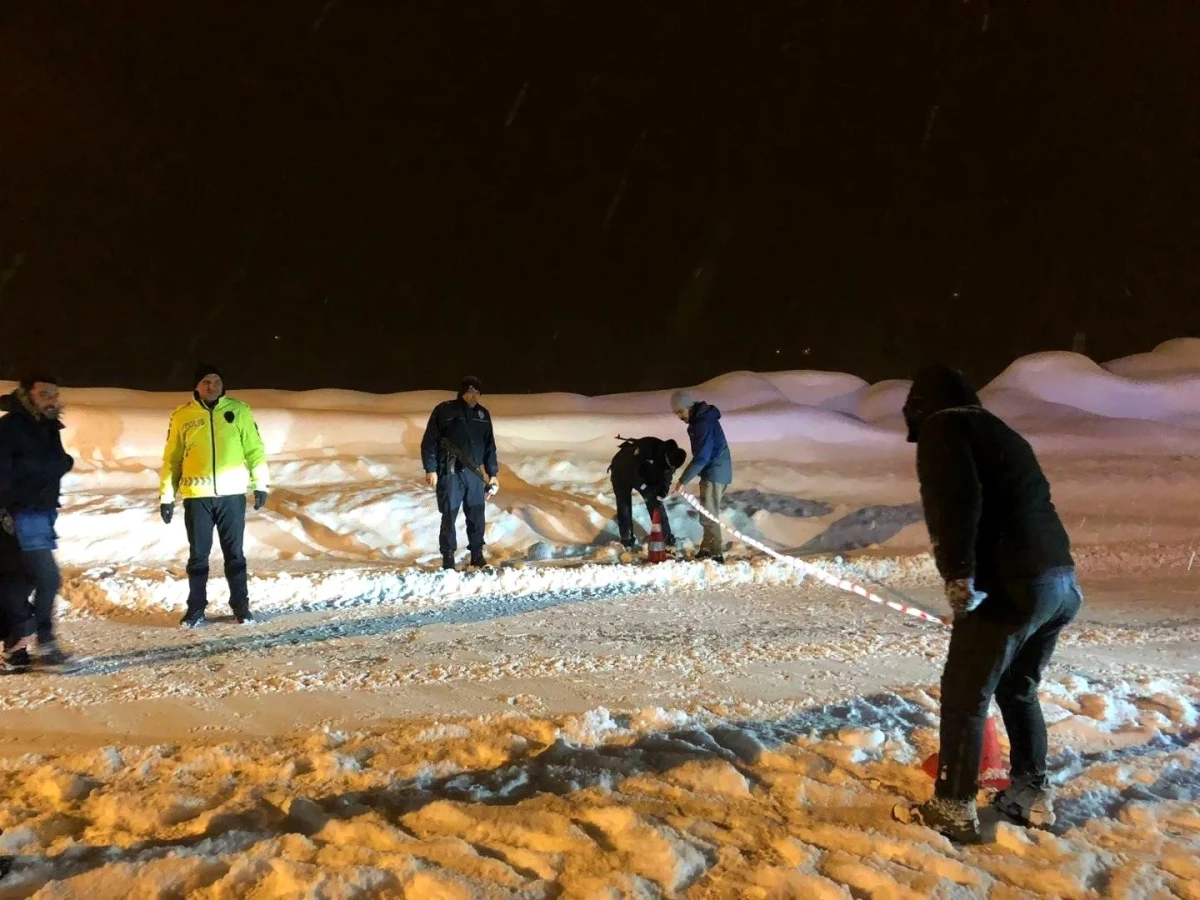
point(448, 563)
point(51, 654)
point(246, 618)
point(16, 661)
point(1028, 802)
point(956, 819)
point(193, 620)
point(478, 562)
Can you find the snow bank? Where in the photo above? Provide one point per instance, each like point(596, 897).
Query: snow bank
point(662, 802)
point(119, 425)
point(1180, 356)
point(348, 481)
point(1072, 381)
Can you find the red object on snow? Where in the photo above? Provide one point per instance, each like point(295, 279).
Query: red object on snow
point(993, 774)
point(657, 551)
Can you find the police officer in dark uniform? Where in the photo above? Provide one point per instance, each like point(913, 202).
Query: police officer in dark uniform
point(459, 456)
point(646, 465)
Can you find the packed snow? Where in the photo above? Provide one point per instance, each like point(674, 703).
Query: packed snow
point(579, 723)
point(651, 803)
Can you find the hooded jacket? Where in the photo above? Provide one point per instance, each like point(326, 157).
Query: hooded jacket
point(644, 464)
point(32, 459)
point(987, 502)
point(710, 451)
point(215, 452)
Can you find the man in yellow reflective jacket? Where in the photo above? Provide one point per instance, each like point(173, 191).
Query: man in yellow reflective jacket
point(214, 455)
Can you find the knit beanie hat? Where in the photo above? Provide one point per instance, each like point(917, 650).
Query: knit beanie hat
point(26, 384)
point(681, 400)
point(203, 370)
point(470, 383)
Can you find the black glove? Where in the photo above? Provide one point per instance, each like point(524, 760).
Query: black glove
point(166, 510)
point(260, 499)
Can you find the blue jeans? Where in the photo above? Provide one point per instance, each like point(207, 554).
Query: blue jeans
point(41, 571)
point(1001, 649)
point(35, 529)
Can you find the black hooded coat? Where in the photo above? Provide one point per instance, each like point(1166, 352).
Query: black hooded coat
point(987, 502)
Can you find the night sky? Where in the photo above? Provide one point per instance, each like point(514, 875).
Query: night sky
point(593, 197)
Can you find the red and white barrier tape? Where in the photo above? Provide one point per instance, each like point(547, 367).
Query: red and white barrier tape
point(817, 572)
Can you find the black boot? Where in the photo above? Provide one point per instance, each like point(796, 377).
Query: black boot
point(1028, 802)
point(448, 563)
point(49, 653)
point(239, 591)
point(16, 661)
point(956, 819)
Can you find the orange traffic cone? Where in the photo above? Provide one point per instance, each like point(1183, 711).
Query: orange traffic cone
point(992, 772)
point(658, 550)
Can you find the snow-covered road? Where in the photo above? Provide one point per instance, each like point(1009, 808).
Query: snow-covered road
point(741, 740)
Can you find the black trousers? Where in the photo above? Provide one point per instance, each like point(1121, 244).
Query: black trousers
point(228, 516)
point(465, 491)
point(16, 617)
point(624, 495)
point(1001, 649)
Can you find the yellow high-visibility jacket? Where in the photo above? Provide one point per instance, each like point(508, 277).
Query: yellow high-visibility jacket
point(214, 452)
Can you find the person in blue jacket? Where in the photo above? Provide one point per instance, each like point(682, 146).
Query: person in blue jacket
point(710, 461)
point(458, 452)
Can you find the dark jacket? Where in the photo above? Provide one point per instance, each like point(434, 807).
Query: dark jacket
point(11, 559)
point(710, 451)
point(642, 464)
point(32, 458)
point(468, 429)
point(987, 502)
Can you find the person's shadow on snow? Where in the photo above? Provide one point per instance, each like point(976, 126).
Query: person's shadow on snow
point(866, 527)
point(863, 528)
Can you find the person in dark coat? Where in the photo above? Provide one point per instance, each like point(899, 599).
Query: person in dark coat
point(17, 625)
point(32, 465)
point(645, 465)
point(1009, 578)
point(711, 461)
point(458, 452)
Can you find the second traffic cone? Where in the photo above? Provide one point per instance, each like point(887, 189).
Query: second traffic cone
point(992, 772)
point(658, 550)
